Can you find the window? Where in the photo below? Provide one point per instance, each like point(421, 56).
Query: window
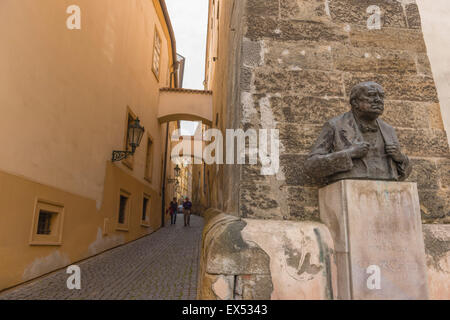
point(156, 54)
point(129, 161)
point(47, 223)
point(144, 209)
point(123, 210)
point(204, 177)
point(161, 181)
point(208, 197)
point(145, 219)
point(149, 160)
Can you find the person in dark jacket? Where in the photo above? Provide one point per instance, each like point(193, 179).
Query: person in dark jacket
point(173, 211)
point(187, 205)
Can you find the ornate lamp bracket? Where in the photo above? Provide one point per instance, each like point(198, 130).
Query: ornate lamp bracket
point(120, 155)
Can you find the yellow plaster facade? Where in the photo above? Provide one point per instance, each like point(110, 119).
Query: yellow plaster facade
point(64, 96)
point(184, 104)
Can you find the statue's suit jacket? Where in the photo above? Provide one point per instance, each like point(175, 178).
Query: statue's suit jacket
point(330, 157)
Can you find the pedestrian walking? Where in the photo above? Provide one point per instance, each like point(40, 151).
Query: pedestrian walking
point(173, 211)
point(187, 205)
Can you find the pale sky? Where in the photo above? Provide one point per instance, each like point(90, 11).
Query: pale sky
point(190, 23)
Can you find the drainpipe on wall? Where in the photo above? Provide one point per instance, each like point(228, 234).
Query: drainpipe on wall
point(163, 205)
point(173, 84)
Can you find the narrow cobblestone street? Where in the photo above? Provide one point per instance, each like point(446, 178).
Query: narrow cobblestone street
point(163, 265)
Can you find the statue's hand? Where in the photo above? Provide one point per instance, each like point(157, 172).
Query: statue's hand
point(393, 150)
point(359, 150)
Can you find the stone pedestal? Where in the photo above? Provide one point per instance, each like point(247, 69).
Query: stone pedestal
point(377, 230)
point(252, 259)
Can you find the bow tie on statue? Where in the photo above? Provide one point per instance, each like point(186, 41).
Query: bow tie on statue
point(366, 128)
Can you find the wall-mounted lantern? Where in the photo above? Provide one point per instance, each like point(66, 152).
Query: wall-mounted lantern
point(176, 171)
point(135, 133)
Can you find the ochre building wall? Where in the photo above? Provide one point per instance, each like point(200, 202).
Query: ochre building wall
point(68, 90)
point(64, 97)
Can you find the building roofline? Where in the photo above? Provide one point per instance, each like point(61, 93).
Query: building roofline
point(208, 35)
point(181, 90)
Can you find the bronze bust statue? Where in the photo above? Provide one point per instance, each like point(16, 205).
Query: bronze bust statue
point(357, 144)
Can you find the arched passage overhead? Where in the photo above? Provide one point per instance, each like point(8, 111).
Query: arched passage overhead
point(185, 104)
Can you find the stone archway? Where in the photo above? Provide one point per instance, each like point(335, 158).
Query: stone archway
point(185, 104)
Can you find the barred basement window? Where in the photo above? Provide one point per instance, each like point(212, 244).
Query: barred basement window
point(47, 225)
point(145, 219)
point(204, 177)
point(122, 209)
point(130, 118)
point(144, 209)
point(45, 222)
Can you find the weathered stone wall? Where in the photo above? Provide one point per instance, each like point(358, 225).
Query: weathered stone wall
point(222, 180)
point(289, 65)
point(259, 259)
point(437, 249)
point(300, 60)
point(250, 259)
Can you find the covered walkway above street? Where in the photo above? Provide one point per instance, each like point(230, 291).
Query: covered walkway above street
point(185, 104)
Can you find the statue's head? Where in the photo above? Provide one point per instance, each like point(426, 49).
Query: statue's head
point(367, 99)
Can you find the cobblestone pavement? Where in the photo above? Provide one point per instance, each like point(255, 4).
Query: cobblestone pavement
point(163, 265)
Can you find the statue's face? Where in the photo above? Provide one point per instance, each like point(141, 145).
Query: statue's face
point(370, 101)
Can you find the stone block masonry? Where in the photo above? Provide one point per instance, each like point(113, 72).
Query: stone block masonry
point(289, 65)
point(252, 259)
point(246, 259)
point(300, 58)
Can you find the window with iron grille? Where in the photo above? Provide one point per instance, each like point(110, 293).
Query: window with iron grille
point(204, 177)
point(130, 121)
point(130, 118)
point(144, 208)
point(122, 208)
point(44, 222)
point(47, 224)
point(149, 160)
